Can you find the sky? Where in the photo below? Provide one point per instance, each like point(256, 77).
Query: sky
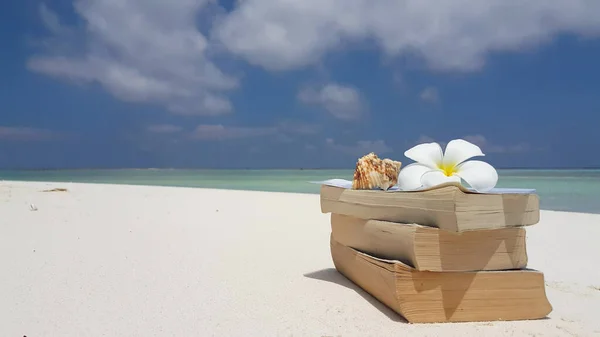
point(296, 83)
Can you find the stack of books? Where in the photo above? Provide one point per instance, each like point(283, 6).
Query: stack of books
point(439, 255)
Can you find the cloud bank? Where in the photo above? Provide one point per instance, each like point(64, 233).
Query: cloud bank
point(154, 51)
point(343, 102)
point(139, 51)
point(447, 35)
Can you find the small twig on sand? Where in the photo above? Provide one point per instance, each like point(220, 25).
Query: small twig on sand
point(56, 190)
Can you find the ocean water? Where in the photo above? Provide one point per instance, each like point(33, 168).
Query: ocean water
point(561, 190)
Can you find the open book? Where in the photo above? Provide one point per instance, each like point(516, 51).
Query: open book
point(449, 207)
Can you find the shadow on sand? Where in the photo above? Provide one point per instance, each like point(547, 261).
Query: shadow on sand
point(333, 276)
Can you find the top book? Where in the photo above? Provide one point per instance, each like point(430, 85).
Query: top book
point(449, 207)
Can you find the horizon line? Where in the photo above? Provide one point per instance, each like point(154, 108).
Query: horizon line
point(254, 169)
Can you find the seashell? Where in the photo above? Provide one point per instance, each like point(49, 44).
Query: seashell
point(372, 172)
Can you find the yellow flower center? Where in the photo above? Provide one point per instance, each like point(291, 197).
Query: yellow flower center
point(447, 169)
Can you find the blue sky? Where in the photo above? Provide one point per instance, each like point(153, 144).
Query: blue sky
point(273, 83)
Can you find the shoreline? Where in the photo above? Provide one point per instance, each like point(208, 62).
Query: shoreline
point(208, 189)
point(275, 169)
point(214, 189)
point(118, 260)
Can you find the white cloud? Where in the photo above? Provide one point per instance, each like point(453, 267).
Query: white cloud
point(310, 147)
point(478, 140)
point(282, 131)
point(488, 147)
point(140, 51)
point(221, 132)
point(430, 95)
point(50, 20)
point(485, 145)
point(360, 148)
point(17, 133)
point(164, 128)
point(425, 139)
point(298, 128)
point(343, 102)
point(448, 35)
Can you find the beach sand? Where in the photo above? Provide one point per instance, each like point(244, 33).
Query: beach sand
point(114, 260)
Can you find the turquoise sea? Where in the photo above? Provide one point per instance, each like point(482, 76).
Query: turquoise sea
point(562, 190)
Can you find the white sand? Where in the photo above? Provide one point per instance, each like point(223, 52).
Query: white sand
point(105, 260)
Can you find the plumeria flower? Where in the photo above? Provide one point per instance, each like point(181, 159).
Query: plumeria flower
point(433, 167)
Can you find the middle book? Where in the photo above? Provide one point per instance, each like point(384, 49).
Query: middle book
point(432, 249)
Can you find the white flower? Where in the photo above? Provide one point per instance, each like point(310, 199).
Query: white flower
point(433, 167)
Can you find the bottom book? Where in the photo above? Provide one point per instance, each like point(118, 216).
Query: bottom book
point(436, 297)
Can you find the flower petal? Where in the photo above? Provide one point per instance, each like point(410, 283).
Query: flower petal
point(459, 150)
point(437, 177)
point(410, 176)
point(429, 154)
point(480, 175)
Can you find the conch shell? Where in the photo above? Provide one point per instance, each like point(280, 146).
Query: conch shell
point(372, 172)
